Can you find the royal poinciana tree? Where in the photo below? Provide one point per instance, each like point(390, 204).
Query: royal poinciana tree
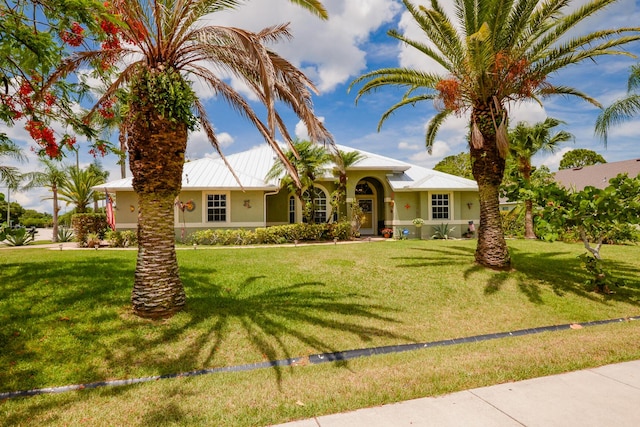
point(34, 37)
point(490, 54)
point(159, 47)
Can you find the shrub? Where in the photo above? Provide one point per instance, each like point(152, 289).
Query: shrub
point(121, 239)
point(288, 233)
point(86, 223)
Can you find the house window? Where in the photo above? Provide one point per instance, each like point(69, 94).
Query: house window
point(440, 206)
point(216, 207)
point(292, 210)
point(319, 200)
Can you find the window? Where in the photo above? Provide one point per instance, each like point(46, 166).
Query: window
point(292, 210)
point(319, 200)
point(216, 207)
point(439, 206)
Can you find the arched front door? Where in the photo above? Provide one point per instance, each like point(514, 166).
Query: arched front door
point(366, 198)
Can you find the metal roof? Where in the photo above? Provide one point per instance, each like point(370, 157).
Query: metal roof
point(596, 175)
point(252, 166)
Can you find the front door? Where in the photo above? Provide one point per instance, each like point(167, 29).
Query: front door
point(368, 224)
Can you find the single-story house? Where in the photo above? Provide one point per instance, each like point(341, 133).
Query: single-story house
point(391, 194)
point(596, 175)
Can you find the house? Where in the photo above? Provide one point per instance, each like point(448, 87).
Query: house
point(596, 175)
point(391, 194)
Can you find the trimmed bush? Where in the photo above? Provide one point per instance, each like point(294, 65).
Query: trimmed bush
point(276, 234)
point(86, 223)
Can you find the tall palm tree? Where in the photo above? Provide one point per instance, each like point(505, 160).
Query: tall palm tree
point(622, 109)
point(77, 187)
point(51, 177)
point(342, 161)
point(308, 160)
point(493, 52)
point(525, 142)
point(167, 43)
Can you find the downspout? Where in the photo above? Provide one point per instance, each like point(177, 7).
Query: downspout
point(264, 215)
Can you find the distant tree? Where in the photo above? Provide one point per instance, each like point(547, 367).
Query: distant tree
point(459, 165)
point(342, 161)
point(52, 177)
point(308, 160)
point(10, 175)
point(15, 210)
point(525, 142)
point(76, 188)
point(33, 218)
point(622, 109)
point(580, 157)
point(97, 169)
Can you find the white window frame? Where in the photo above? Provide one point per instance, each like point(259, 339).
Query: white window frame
point(449, 199)
point(327, 205)
point(227, 207)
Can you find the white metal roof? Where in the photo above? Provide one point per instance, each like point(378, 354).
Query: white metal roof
point(252, 166)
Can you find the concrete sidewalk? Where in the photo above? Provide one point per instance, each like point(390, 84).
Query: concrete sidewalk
point(599, 397)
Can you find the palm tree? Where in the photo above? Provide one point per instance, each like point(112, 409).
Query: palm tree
point(525, 142)
point(494, 53)
point(77, 187)
point(52, 177)
point(342, 161)
point(167, 43)
point(623, 109)
point(308, 160)
point(10, 175)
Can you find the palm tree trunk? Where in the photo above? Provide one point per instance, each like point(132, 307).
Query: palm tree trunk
point(488, 170)
point(528, 220)
point(525, 170)
point(157, 288)
point(56, 210)
point(156, 157)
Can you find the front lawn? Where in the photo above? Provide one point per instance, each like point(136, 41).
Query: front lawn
point(65, 319)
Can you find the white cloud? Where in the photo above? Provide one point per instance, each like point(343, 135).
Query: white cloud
point(405, 146)
point(198, 145)
point(440, 150)
point(301, 132)
point(552, 161)
point(329, 51)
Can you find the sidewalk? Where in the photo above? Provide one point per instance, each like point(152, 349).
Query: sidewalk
point(599, 397)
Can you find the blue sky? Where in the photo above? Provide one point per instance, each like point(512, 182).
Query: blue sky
point(334, 52)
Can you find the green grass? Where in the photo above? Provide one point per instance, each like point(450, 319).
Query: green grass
point(65, 319)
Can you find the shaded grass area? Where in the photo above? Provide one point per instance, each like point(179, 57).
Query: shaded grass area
point(66, 319)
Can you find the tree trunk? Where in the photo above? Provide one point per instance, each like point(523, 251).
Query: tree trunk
point(528, 220)
point(56, 210)
point(156, 157)
point(525, 170)
point(488, 170)
point(157, 288)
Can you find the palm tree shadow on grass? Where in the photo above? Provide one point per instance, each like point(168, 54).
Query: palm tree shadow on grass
point(535, 271)
point(271, 318)
point(532, 272)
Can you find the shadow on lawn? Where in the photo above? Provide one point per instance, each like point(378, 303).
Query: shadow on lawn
point(82, 309)
point(558, 270)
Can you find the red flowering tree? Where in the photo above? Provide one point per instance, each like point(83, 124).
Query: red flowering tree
point(35, 36)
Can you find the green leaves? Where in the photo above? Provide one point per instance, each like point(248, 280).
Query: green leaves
point(166, 92)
